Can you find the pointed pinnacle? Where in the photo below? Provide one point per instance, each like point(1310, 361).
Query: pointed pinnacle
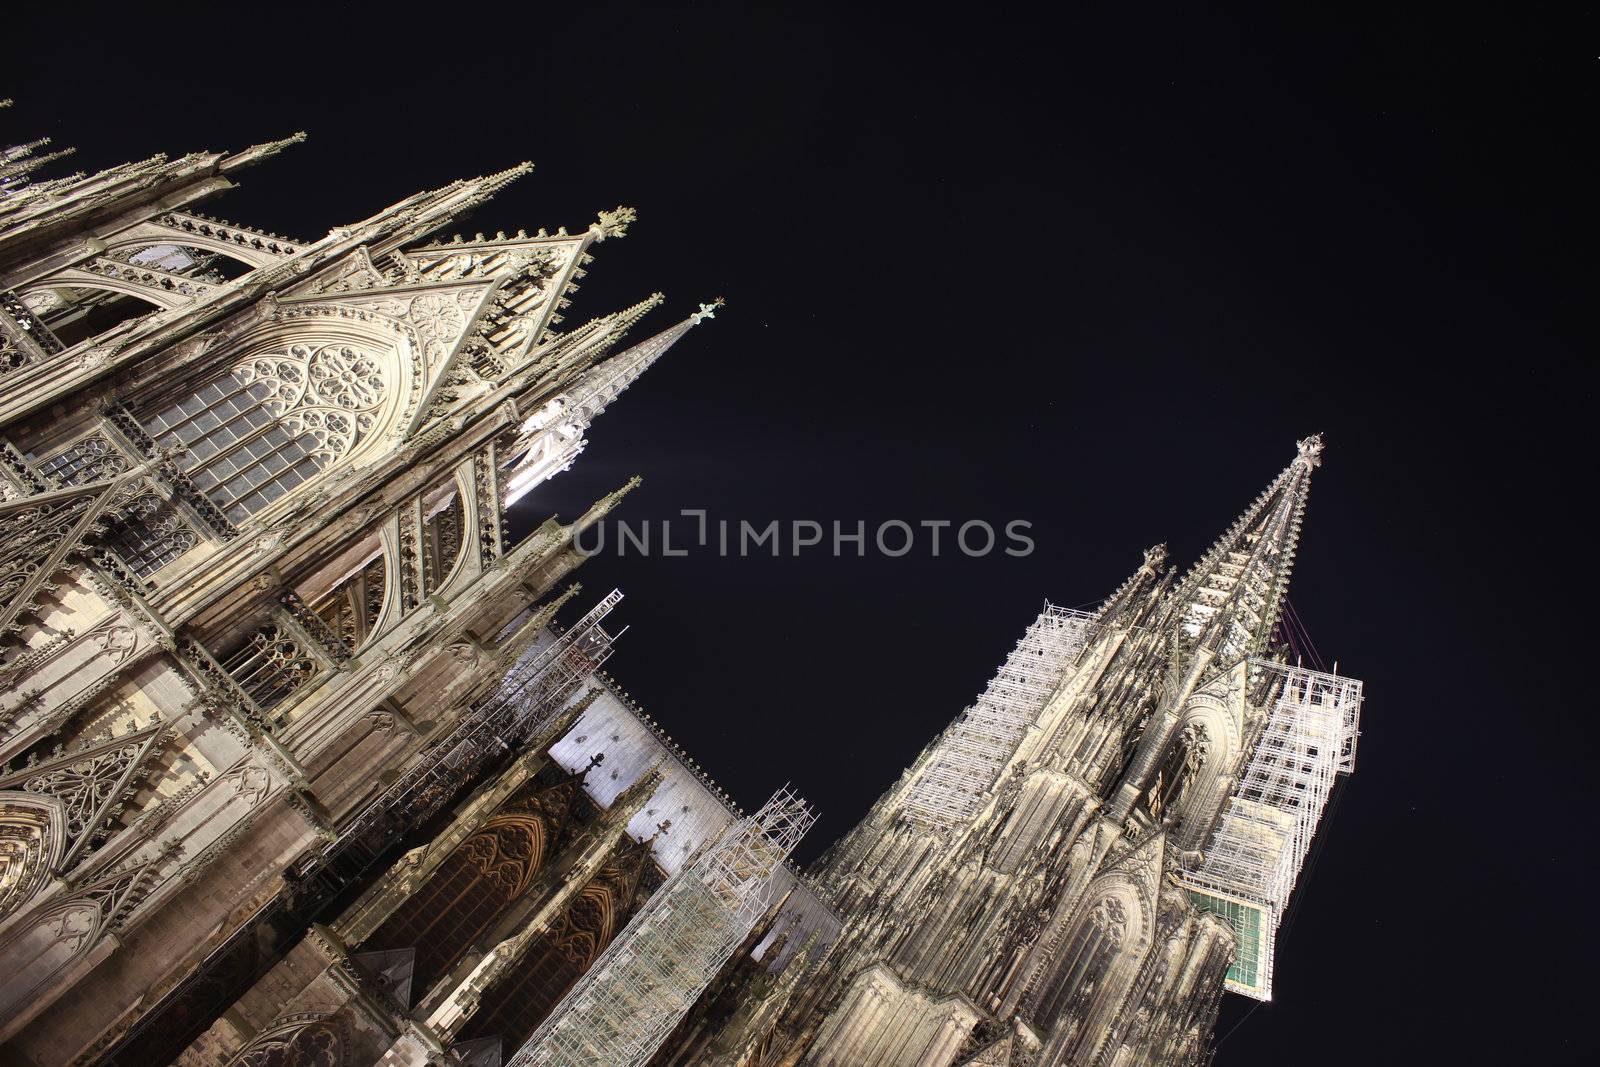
point(603, 507)
point(266, 150)
point(29, 164)
point(628, 316)
point(493, 183)
point(619, 323)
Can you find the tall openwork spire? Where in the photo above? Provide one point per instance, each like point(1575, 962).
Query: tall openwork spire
point(1231, 599)
point(553, 436)
point(604, 382)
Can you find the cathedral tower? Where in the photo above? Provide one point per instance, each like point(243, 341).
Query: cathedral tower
point(1076, 868)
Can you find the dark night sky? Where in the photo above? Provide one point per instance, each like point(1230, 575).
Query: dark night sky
point(1096, 274)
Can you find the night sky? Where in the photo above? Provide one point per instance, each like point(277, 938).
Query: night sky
point(1097, 274)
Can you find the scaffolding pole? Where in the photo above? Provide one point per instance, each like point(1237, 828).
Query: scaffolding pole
point(1267, 825)
point(646, 980)
point(969, 758)
point(528, 696)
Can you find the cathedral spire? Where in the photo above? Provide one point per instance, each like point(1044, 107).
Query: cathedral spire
point(1231, 599)
point(601, 384)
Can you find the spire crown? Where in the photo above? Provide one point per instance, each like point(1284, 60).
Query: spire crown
point(1310, 451)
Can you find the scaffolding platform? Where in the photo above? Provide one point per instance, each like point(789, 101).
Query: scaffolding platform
point(969, 758)
point(646, 980)
point(1267, 825)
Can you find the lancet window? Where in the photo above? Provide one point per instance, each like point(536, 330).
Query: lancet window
point(92, 459)
point(352, 608)
point(441, 536)
point(149, 534)
point(1086, 964)
point(270, 665)
point(515, 1006)
point(313, 1045)
point(468, 892)
point(1182, 769)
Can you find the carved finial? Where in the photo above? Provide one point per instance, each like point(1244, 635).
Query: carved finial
point(1155, 557)
point(707, 311)
point(1310, 451)
point(614, 223)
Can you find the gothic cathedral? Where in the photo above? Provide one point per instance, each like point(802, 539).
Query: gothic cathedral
point(298, 768)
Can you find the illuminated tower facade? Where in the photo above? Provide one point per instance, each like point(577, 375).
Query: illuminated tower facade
point(1079, 865)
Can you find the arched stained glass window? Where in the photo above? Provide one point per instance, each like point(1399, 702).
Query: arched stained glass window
point(513, 1007)
point(468, 892)
point(273, 422)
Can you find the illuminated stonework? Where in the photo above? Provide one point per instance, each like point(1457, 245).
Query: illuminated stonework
point(262, 620)
point(1074, 871)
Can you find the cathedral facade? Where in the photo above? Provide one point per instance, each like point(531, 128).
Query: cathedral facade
point(297, 766)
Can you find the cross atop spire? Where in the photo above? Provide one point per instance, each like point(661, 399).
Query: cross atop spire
point(1310, 451)
point(707, 311)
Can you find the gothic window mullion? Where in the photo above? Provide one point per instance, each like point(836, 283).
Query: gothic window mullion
point(122, 428)
point(309, 632)
point(273, 422)
point(271, 666)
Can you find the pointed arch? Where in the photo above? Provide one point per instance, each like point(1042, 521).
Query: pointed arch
point(188, 253)
point(466, 894)
point(88, 783)
point(1099, 955)
point(74, 310)
point(514, 1005)
point(353, 592)
point(31, 845)
point(35, 954)
point(447, 531)
point(1205, 745)
point(293, 401)
point(304, 1041)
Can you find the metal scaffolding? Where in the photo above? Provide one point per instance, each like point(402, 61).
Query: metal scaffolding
point(528, 696)
point(971, 755)
point(1267, 825)
point(653, 971)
